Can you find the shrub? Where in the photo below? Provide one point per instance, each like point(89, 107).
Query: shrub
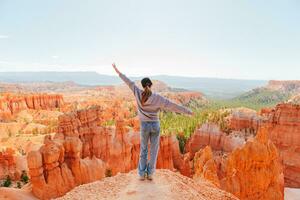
point(7, 182)
point(108, 173)
point(181, 140)
point(110, 122)
point(19, 185)
point(24, 177)
point(35, 131)
point(9, 133)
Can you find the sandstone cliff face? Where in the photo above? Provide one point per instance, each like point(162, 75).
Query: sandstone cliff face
point(11, 104)
point(83, 152)
point(284, 131)
point(244, 119)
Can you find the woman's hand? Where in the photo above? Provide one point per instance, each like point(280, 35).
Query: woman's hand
point(115, 68)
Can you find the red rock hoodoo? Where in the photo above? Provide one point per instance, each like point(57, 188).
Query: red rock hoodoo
point(8, 164)
point(254, 171)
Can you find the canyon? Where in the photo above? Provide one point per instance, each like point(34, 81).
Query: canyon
point(83, 152)
point(65, 140)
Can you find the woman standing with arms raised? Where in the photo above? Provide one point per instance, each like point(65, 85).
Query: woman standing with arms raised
point(149, 104)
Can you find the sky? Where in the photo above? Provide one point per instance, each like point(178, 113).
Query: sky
point(214, 38)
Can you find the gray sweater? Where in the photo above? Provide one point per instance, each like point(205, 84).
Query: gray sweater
point(155, 103)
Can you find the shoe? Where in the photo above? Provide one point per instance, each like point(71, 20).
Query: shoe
point(142, 178)
point(150, 177)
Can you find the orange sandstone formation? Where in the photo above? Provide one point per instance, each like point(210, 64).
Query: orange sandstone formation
point(11, 164)
point(249, 169)
point(205, 166)
point(8, 164)
point(284, 131)
point(210, 134)
point(283, 124)
point(244, 119)
point(254, 171)
point(11, 104)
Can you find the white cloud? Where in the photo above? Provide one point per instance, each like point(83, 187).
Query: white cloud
point(4, 36)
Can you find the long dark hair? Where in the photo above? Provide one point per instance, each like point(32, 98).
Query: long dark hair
point(146, 83)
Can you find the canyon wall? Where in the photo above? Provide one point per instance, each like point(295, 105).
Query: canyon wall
point(284, 130)
point(11, 104)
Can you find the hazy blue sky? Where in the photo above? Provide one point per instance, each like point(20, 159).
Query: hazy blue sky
point(251, 39)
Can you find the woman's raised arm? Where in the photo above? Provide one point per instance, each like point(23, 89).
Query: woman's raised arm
point(130, 83)
point(116, 69)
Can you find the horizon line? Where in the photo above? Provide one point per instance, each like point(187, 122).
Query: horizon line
point(182, 76)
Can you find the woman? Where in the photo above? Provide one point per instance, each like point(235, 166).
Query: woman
point(149, 104)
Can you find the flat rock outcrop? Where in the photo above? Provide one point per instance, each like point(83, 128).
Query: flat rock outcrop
point(166, 185)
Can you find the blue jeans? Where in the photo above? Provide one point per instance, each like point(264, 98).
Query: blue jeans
point(149, 130)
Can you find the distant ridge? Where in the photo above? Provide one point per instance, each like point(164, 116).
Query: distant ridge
point(82, 78)
point(211, 87)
